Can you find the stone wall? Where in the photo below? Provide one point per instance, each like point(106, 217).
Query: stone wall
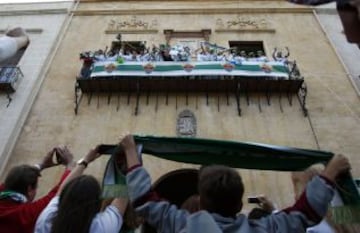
point(349, 53)
point(43, 22)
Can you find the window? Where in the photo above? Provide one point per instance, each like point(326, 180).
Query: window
point(247, 46)
point(128, 46)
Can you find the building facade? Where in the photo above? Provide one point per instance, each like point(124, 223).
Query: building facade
point(332, 123)
point(43, 23)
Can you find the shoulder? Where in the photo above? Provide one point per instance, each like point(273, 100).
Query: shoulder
point(110, 220)
point(44, 222)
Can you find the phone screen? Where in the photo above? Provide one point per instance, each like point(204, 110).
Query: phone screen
point(253, 200)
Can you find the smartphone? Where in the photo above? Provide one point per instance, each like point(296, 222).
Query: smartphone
point(59, 159)
point(253, 200)
point(106, 149)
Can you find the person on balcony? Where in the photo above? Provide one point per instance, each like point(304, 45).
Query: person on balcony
point(13, 40)
point(279, 57)
point(261, 56)
point(99, 55)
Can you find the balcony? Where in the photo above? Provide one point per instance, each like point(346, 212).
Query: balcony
point(145, 78)
point(9, 79)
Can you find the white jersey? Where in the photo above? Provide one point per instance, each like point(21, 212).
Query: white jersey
point(8, 47)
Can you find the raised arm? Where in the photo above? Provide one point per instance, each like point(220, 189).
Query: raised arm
point(274, 54)
point(31, 210)
point(287, 52)
point(80, 166)
point(312, 205)
point(160, 214)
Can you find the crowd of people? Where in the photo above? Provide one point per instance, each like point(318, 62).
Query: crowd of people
point(75, 205)
point(179, 53)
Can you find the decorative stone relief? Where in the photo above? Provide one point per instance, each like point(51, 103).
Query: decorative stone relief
point(132, 24)
point(245, 23)
point(186, 124)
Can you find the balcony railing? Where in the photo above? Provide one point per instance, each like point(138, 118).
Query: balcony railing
point(9, 79)
point(143, 78)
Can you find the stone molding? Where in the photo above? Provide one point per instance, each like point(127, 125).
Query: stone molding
point(34, 12)
point(193, 11)
point(29, 30)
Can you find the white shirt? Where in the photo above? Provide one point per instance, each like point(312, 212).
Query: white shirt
point(8, 47)
point(322, 227)
point(108, 221)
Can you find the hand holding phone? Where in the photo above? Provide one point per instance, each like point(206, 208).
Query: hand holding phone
point(253, 200)
point(59, 159)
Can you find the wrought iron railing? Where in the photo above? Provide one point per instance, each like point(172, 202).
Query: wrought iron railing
point(9, 79)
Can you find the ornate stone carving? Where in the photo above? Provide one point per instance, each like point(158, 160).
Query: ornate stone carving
point(186, 124)
point(243, 23)
point(133, 24)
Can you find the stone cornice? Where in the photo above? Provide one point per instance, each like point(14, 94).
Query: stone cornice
point(28, 30)
point(246, 30)
point(191, 11)
point(34, 12)
point(125, 31)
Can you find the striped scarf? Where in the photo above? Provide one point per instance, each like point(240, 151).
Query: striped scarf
point(18, 197)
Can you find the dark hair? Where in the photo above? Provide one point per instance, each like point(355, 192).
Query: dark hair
point(221, 190)
point(21, 177)
point(79, 203)
point(257, 213)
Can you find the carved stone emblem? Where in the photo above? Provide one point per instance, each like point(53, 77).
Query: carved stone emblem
point(186, 124)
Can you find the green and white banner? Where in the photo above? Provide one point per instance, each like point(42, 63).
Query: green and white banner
point(188, 69)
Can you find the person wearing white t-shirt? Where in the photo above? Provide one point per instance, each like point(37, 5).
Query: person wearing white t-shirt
point(13, 40)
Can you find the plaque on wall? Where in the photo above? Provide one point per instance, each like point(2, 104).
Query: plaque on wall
point(186, 124)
